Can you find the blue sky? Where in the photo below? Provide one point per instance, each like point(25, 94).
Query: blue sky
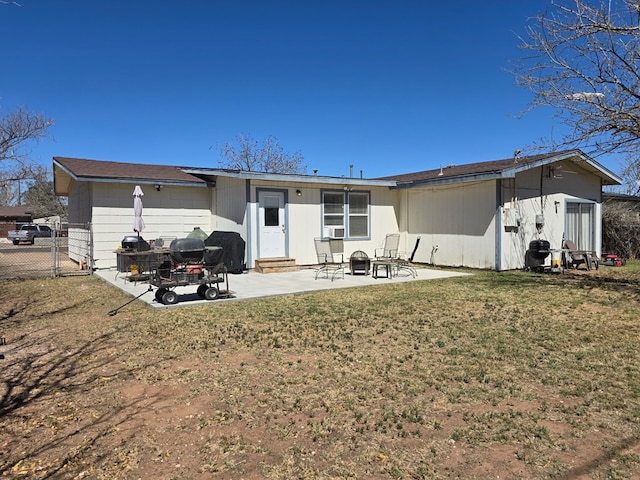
point(390, 87)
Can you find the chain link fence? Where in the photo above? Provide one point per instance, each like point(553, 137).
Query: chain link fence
point(68, 251)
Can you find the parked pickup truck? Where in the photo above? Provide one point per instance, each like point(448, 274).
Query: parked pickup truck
point(28, 233)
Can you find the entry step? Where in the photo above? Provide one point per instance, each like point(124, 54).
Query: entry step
point(275, 265)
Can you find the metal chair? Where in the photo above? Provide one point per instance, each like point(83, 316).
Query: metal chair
point(330, 258)
point(390, 248)
point(390, 254)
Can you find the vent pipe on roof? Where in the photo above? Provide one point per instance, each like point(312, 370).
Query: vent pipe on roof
point(361, 173)
point(351, 170)
point(441, 172)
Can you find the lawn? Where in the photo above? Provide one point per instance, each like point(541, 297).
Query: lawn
point(496, 375)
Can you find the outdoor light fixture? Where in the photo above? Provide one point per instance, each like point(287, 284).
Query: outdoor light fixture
point(158, 187)
point(298, 193)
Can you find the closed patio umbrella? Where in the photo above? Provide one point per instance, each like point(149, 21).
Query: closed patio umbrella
point(138, 223)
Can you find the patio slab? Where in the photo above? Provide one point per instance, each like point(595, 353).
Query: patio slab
point(254, 285)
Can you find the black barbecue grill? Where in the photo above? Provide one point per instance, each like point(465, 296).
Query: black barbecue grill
point(535, 257)
point(193, 264)
point(187, 250)
point(135, 242)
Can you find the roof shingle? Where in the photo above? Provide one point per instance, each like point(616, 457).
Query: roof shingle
point(83, 168)
point(452, 171)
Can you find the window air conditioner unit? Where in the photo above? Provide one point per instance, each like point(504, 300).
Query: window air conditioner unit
point(334, 232)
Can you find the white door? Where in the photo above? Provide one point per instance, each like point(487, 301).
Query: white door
point(271, 226)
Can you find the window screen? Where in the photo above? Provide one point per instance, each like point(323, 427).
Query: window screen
point(358, 214)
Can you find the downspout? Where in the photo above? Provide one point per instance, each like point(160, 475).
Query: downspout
point(247, 202)
point(498, 226)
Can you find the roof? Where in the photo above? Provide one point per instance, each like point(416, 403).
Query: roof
point(624, 197)
point(68, 169)
point(506, 168)
point(14, 212)
point(95, 169)
point(81, 169)
point(287, 177)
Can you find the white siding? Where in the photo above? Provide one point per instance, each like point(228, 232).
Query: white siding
point(458, 224)
point(80, 202)
point(537, 192)
point(304, 219)
point(455, 223)
point(171, 212)
point(229, 208)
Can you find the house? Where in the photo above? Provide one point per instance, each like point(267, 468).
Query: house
point(12, 217)
point(481, 215)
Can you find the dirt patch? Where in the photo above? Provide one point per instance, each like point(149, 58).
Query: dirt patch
point(451, 379)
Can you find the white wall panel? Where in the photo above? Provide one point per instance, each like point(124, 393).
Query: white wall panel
point(457, 219)
point(544, 191)
point(171, 212)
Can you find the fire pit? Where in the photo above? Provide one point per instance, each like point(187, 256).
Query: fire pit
point(359, 263)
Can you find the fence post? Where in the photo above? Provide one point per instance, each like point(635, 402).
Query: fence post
point(54, 252)
point(90, 259)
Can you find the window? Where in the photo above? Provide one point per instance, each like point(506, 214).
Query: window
point(271, 211)
point(358, 203)
point(333, 208)
point(580, 225)
point(345, 212)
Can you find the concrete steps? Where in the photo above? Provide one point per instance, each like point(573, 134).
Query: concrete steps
point(274, 265)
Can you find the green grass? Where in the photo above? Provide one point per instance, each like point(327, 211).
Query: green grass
point(511, 374)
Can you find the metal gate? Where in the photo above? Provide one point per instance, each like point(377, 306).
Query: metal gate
point(69, 251)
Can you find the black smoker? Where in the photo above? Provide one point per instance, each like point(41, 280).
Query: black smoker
point(536, 255)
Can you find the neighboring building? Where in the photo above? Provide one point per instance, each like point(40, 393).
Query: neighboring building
point(481, 215)
point(12, 217)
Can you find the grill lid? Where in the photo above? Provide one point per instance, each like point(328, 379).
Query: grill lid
point(135, 242)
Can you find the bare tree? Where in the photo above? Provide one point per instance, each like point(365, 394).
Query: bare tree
point(584, 61)
point(631, 175)
point(17, 129)
point(621, 227)
point(247, 155)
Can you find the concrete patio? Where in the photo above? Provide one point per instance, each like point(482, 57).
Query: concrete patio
point(254, 285)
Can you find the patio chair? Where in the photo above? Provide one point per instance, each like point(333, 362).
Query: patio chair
point(575, 257)
point(390, 254)
point(330, 258)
